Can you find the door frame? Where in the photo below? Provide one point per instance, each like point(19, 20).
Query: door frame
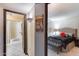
point(4, 31)
point(46, 29)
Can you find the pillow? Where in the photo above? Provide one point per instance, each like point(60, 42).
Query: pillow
point(70, 34)
point(57, 33)
point(62, 34)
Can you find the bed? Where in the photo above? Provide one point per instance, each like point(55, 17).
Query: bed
point(62, 44)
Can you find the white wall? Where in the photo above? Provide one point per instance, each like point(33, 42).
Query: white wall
point(73, 21)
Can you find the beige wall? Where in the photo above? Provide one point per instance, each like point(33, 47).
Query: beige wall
point(31, 33)
point(12, 30)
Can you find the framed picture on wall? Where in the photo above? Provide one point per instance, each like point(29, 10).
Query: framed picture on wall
point(39, 23)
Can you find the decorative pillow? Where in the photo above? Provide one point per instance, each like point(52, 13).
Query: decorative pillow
point(62, 34)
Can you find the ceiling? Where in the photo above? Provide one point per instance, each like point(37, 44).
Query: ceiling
point(62, 9)
point(24, 7)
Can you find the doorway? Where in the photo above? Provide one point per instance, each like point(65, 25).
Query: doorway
point(61, 29)
point(14, 36)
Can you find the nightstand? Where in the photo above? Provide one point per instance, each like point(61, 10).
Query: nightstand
point(77, 42)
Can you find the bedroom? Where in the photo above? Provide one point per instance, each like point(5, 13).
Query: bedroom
point(63, 29)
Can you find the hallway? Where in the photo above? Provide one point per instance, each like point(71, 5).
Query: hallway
point(15, 49)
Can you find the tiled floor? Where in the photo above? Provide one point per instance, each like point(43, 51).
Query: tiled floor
point(15, 49)
point(73, 52)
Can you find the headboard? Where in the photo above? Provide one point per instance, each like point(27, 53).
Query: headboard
point(67, 30)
